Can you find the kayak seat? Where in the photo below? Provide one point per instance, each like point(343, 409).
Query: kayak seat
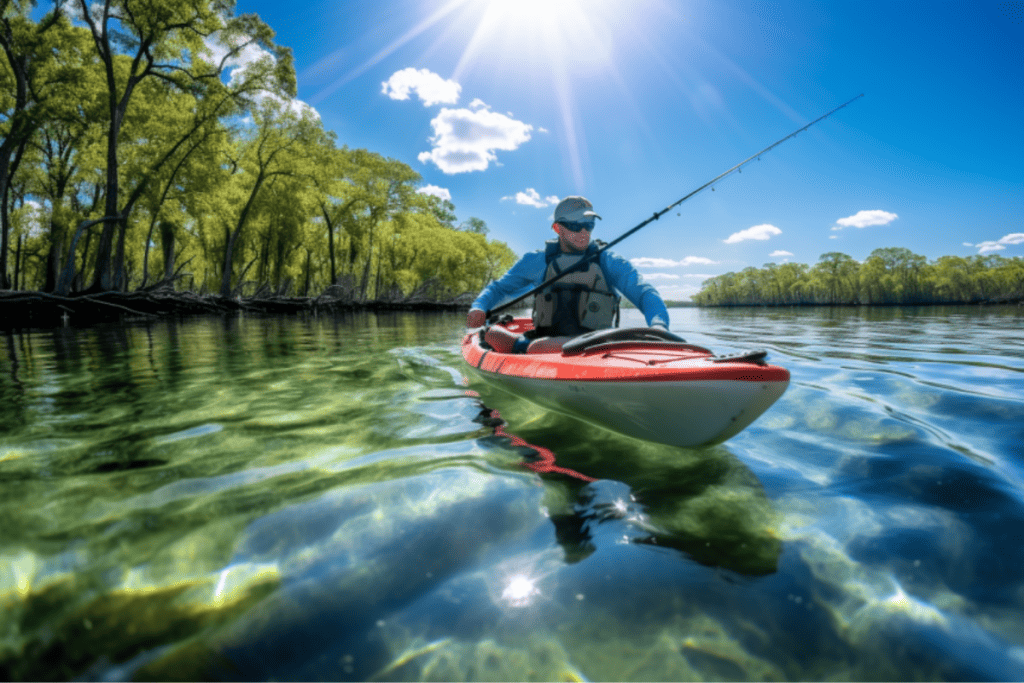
point(620, 334)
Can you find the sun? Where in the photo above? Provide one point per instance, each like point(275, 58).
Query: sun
point(536, 10)
point(569, 35)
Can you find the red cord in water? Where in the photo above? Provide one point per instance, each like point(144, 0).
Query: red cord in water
point(547, 458)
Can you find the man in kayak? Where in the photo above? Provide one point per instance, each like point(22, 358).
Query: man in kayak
point(580, 302)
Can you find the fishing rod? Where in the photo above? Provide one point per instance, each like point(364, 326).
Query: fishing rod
point(579, 265)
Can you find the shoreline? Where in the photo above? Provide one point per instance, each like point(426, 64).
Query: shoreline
point(1013, 301)
point(39, 310)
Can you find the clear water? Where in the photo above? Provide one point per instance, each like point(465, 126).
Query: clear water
point(321, 499)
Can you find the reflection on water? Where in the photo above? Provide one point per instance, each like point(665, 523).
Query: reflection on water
point(705, 502)
point(321, 499)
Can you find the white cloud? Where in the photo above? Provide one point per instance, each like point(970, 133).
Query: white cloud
point(298, 107)
point(758, 232)
point(32, 215)
point(1000, 244)
point(429, 87)
point(968, 244)
point(863, 219)
point(648, 262)
point(677, 292)
point(660, 276)
point(779, 252)
point(76, 12)
point(465, 140)
point(532, 198)
point(238, 65)
point(833, 237)
point(477, 103)
point(986, 247)
point(543, 130)
point(435, 191)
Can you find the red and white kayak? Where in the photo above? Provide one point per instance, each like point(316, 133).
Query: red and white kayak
point(642, 382)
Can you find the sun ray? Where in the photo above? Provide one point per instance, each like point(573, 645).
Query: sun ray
point(415, 31)
point(567, 110)
point(485, 27)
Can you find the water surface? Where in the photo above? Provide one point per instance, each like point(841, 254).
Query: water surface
point(323, 499)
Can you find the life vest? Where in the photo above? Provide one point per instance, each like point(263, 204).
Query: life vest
point(579, 302)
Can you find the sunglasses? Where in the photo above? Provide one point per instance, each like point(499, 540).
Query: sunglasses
point(577, 226)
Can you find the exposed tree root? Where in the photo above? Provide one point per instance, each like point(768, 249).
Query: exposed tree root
point(42, 310)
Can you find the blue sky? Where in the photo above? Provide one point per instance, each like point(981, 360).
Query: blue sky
point(505, 105)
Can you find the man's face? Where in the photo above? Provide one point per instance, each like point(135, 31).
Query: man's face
point(572, 242)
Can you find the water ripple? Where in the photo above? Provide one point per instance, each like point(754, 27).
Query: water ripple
point(321, 499)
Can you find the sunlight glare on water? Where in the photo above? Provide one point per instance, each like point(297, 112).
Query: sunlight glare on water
point(323, 499)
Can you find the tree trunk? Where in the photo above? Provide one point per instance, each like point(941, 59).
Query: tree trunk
point(330, 245)
point(145, 254)
point(104, 277)
point(305, 288)
point(80, 277)
point(225, 281)
point(17, 260)
point(63, 285)
point(55, 255)
point(120, 278)
point(225, 278)
point(8, 167)
point(167, 242)
point(378, 284)
point(366, 268)
point(5, 164)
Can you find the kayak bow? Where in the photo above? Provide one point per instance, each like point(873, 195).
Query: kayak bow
point(641, 382)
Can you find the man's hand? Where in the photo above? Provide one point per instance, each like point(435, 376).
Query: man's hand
point(476, 318)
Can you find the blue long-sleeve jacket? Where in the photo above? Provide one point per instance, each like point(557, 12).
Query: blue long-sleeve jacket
point(529, 272)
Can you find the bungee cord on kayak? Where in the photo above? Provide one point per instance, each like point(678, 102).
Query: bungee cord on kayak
point(491, 315)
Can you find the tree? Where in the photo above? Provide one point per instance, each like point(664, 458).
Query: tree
point(273, 148)
point(474, 225)
point(164, 39)
point(376, 190)
point(165, 119)
point(835, 275)
point(892, 275)
point(951, 279)
point(28, 80)
point(334, 196)
point(792, 282)
point(64, 144)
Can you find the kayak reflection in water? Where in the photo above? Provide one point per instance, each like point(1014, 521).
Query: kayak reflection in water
point(582, 301)
point(706, 504)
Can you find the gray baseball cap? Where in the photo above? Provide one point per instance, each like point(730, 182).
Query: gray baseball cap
point(574, 210)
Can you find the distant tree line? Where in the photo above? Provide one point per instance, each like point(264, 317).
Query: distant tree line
point(132, 155)
point(892, 275)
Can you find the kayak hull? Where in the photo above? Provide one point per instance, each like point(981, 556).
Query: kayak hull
point(671, 393)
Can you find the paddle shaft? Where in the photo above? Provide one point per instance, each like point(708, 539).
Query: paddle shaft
point(582, 263)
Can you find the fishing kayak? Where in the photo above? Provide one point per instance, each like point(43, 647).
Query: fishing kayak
point(646, 383)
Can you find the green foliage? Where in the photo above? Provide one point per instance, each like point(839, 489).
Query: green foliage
point(888, 276)
point(156, 163)
point(474, 224)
